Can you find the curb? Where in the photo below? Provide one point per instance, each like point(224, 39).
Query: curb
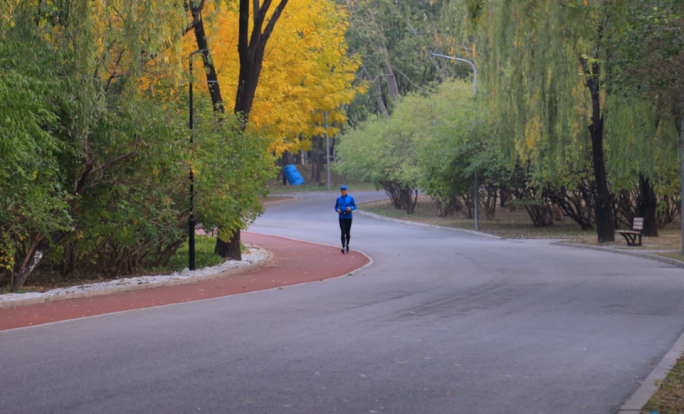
point(657, 258)
point(262, 262)
point(371, 260)
point(103, 292)
point(652, 383)
point(430, 226)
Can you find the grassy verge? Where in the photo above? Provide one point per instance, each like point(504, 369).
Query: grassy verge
point(516, 224)
point(669, 399)
point(509, 224)
point(669, 238)
point(336, 180)
point(269, 201)
point(284, 189)
point(204, 255)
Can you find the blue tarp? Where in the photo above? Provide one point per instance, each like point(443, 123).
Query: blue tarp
point(293, 176)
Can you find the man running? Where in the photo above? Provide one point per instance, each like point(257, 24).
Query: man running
point(344, 205)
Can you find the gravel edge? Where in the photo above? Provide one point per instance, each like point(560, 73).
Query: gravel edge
point(431, 226)
point(78, 295)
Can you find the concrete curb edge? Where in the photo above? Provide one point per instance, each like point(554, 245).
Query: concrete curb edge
point(657, 258)
point(651, 384)
point(122, 289)
point(430, 226)
point(371, 260)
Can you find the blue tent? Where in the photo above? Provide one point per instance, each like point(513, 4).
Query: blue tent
point(293, 176)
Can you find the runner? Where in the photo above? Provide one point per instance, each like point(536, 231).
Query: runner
point(344, 205)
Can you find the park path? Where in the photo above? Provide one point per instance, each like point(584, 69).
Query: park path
point(443, 322)
point(293, 262)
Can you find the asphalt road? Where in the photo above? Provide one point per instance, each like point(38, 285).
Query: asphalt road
point(442, 322)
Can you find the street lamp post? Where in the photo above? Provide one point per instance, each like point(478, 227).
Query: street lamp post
point(476, 197)
point(191, 220)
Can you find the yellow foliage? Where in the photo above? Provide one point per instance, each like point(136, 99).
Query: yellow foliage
point(306, 71)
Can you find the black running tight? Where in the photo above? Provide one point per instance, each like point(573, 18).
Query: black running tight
point(345, 226)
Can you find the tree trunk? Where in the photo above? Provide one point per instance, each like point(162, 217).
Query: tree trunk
point(229, 249)
point(605, 224)
point(318, 159)
point(392, 86)
point(648, 207)
point(251, 48)
point(34, 261)
point(284, 162)
point(212, 78)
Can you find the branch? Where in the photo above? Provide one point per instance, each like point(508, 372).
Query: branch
point(409, 79)
point(115, 160)
point(113, 75)
point(259, 17)
point(271, 23)
point(257, 11)
point(80, 182)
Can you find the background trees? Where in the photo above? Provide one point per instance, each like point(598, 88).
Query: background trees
point(583, 102)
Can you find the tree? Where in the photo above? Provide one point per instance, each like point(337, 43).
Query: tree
point(313, 75)
point(547, 67)
point(307, 72)
point(97, 178)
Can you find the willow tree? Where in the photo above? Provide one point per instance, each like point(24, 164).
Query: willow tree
point(547, 66)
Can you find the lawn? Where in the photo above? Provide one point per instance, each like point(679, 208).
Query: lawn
point(336, 180)
point(669, 399)
point(516, 224)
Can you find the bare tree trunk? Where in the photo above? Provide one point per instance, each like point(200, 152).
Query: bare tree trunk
point(229, 249)
point(392, 87)
point(34, 261)
point(251, 48)
point(605, 224)
point(648, 207)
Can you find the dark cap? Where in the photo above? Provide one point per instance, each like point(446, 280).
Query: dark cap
point(344, 187)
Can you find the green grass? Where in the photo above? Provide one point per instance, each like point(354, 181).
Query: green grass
point(336, 180)
point(509, 224)
point(278, 189)
point(204, 254)
point(669, 399)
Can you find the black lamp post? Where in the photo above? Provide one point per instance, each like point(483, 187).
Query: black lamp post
point(191, 220)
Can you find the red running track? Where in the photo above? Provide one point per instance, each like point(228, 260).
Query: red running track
point(293, 262)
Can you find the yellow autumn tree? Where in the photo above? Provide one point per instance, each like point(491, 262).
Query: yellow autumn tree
point(307, 71)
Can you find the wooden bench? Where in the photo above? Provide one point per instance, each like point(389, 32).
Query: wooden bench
point(631, 235)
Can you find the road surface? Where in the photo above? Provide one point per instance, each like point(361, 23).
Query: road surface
point(441, 322)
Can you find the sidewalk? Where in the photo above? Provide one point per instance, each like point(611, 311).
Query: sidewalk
point(293, 262)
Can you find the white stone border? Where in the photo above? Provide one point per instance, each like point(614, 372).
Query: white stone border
point(192, 279)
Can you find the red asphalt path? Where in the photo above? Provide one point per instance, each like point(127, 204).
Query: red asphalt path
point(293, 262)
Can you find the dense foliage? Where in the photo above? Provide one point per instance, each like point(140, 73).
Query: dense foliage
point(95, 169)
point(582, 101)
